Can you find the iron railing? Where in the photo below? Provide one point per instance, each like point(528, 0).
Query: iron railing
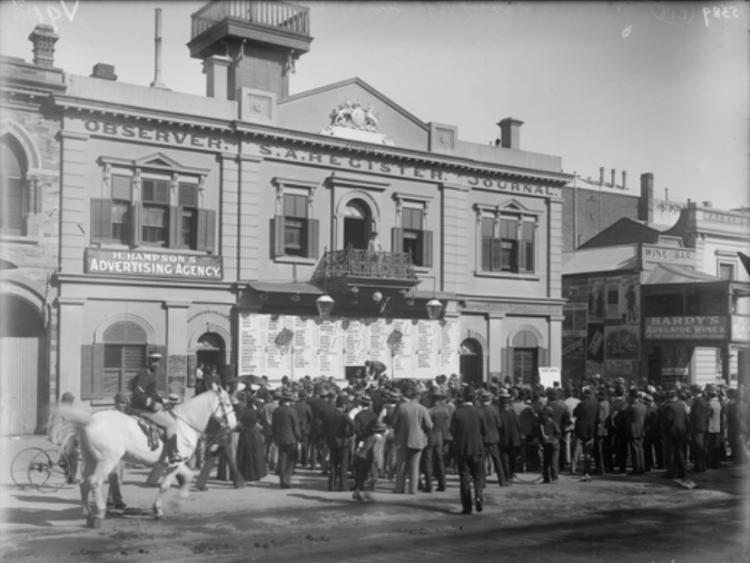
point(358, 263)
point(279, 15)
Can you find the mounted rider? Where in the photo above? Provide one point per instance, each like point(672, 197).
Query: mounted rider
point(145, 400)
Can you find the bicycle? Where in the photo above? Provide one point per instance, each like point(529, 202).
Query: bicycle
point(44, 470)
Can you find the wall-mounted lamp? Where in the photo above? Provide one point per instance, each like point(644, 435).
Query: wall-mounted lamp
point(325, 304)
point(434, 308)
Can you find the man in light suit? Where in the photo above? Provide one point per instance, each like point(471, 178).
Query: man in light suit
point(411, 423)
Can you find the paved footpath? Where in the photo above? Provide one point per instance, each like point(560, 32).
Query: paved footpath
point(613, 518)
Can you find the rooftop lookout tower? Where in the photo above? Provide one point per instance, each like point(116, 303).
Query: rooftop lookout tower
point(252, 44)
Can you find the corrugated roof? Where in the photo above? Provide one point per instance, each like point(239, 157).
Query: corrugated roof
point(670, 273)
point(285, 287)
point(603, 259)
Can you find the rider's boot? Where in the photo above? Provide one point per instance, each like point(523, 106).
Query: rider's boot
point(173, 453)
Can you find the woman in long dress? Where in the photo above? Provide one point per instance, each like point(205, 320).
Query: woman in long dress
point(251, 458)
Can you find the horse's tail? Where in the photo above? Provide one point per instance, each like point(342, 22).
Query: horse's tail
point(65, 421)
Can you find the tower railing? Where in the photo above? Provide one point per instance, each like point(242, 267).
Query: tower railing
point(279, 15)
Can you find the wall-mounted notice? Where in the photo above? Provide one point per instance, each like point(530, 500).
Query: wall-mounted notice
point(279, 345)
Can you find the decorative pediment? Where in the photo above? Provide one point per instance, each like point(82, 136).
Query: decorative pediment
point(513, 205)
point(158, 160)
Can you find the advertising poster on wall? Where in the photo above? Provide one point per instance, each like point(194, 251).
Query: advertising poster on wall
point(621, 342)
point(595, 339)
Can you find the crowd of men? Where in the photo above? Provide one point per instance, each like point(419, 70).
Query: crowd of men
point(413, 432)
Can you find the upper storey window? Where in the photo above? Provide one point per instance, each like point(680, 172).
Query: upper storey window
point(153, 203)
point(294, 231)
point(15, 200)
point(507, 240)
point(412, 236)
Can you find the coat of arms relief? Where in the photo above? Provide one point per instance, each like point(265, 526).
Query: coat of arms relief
point(352, 120)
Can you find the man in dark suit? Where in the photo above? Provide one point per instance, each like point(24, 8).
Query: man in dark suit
point(586, 414)
point(286, 434)
point(338, 429)
point(561, 417)
point(468, 431)
point(433, 457)
point(675, 423)
point(635, 419)
point(492, 425)
point(510, 434)
point(698, 429)
point(305, 417)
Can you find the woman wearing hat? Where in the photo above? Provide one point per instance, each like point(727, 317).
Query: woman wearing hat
point(146, 401)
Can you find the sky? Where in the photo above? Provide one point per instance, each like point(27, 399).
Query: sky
point(660, 87)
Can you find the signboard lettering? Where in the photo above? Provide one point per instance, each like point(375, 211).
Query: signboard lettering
point(677, 328)
point(160, 264)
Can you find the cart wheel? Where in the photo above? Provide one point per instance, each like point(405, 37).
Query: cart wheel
point(58, 472)
point(22, 465)
point(40, 469)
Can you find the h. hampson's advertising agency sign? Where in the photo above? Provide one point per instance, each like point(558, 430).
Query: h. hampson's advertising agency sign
point(152, 264)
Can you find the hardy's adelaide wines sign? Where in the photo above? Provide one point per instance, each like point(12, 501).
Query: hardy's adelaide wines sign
point(152, 264)
point(688, 327)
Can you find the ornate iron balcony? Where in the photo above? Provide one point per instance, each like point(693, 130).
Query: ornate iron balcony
point(344, 269)
point(278, 15)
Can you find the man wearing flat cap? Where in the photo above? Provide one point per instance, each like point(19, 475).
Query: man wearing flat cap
point(146, 400)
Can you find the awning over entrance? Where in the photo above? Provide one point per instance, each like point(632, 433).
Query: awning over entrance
point(670, 273)
point(284, 287)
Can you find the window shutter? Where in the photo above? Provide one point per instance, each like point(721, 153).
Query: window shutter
point(496, 249)
point(427, 249)
point(175, 228)
point(397, 239)
point(527, 246)
point(135, 224)
point(313, 228)
point(101, 219)
point(206, 235)
point(87, 372)
point(277, 236)
point(97, 368)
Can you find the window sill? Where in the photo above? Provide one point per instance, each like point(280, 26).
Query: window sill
point(18, 239)
point(422, 270)
point(507, 275)
point(295, 260)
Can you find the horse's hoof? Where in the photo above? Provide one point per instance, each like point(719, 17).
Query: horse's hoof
point(94, 521)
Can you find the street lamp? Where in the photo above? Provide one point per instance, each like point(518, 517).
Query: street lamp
point(434, 308)
point(325, 304)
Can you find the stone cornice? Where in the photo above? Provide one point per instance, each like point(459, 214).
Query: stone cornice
point(139, 113)
point(314, 141)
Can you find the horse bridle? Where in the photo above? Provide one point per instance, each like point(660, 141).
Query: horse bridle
point(223, 420)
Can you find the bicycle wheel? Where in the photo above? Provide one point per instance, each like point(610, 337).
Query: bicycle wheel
point(22, 463)
point(58, 472)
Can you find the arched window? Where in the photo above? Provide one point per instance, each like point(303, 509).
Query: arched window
point(15, 201)
point(357, 224)
point(124, 355)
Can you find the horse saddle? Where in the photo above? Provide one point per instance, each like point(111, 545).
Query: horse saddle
point(154, 433)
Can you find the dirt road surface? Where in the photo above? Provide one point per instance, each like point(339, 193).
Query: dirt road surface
point(615, 518)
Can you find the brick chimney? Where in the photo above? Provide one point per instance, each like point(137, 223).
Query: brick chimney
point(510, 133)
point(601, 175)
point(103, 71)
point(646, 201)
point(624, 180)
point(612, 175)
point(43, 38)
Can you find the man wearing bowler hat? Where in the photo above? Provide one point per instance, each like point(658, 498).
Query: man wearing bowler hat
point(146, 401)
point(286, 434)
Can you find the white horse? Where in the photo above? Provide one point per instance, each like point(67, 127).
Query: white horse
point(106, 437)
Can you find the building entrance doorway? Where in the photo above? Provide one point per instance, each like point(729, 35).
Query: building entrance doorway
point(22, 345)
point(211, 353)
point(357, 224)
point(472, 362)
